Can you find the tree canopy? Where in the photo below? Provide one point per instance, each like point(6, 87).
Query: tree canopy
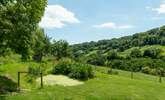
point(19, 21)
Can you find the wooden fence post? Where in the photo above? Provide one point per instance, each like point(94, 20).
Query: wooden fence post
point(41, 80)
point(160, 78)
point(132, 74)
point(18, 79)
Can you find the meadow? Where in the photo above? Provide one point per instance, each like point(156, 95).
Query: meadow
point(102, 87)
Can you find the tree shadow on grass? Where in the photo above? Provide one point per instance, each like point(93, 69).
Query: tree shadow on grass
point(2, 97)
point(7, 85)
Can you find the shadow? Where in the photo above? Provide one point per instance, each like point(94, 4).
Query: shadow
point(2, 97)
point(7, 85)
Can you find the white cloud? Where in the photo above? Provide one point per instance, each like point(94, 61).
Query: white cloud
point(161, 9)
point(106, 25)
point(57, 16)
point(112, 25)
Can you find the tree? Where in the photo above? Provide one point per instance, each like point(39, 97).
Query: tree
point(19, 20)
point(60, 49)
point(96, 59)
point(161, 31)
point(112, 55)
point(152, 52)
point(41, 45)
point(151, 39)
point(136, 53)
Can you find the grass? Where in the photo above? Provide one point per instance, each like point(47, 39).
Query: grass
point(128, 51)
point(59, 80)
point(102, 87)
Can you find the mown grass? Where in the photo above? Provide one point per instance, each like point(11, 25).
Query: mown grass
point(102, 87)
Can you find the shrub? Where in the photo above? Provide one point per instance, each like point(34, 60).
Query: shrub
point(63, 67)
point(81, 71)
point(34, 71)
point(146, 70)
point(153, 72)
point(136, 53)
point(112, 55)
point(96, 58)
point(152, 52)
point(73, 69)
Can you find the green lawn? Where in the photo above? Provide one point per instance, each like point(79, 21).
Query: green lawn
point(102, 87)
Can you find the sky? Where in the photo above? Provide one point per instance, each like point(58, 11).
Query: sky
point(78, 21)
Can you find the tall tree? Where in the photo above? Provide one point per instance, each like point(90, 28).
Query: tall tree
point(41, 45)
point(19, 21)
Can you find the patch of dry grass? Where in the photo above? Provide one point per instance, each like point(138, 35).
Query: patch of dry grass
point(59, 80)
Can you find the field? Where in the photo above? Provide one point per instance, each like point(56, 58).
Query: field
point(103, 87)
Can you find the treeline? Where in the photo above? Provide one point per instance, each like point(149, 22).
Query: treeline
point(151, 37)
point(108, 52)
point(149, 61)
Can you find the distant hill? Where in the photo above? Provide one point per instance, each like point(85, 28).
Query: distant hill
point(142, 52)
point(154, 36)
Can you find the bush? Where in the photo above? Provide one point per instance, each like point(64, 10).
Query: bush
point(73, 69)
point(153, 72)
point(112, 55)
point(136, 53)
point(63, 67)
point(152, 52)
point(81, 71)
point(146, 70)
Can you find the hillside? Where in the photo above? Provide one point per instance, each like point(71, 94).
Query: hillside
point(154, 36)
point(141, 52)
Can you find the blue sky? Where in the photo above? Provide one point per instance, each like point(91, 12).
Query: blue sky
point(90, 20)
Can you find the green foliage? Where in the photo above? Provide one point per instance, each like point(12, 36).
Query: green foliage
point(35, 70)
point(146, 70)
point(145, 65)
point(112, 55)
point(12, 58)
point(19, 20)
point(96, 59)
point(136, 53)
point(41, 45)
point(60, 49)
point(81, 71)
point(152, 52)
point(73, 69)
point(63, 67)
point(152, 37)
point(7, 85)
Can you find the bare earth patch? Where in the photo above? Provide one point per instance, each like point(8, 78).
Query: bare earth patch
point(59, 80)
